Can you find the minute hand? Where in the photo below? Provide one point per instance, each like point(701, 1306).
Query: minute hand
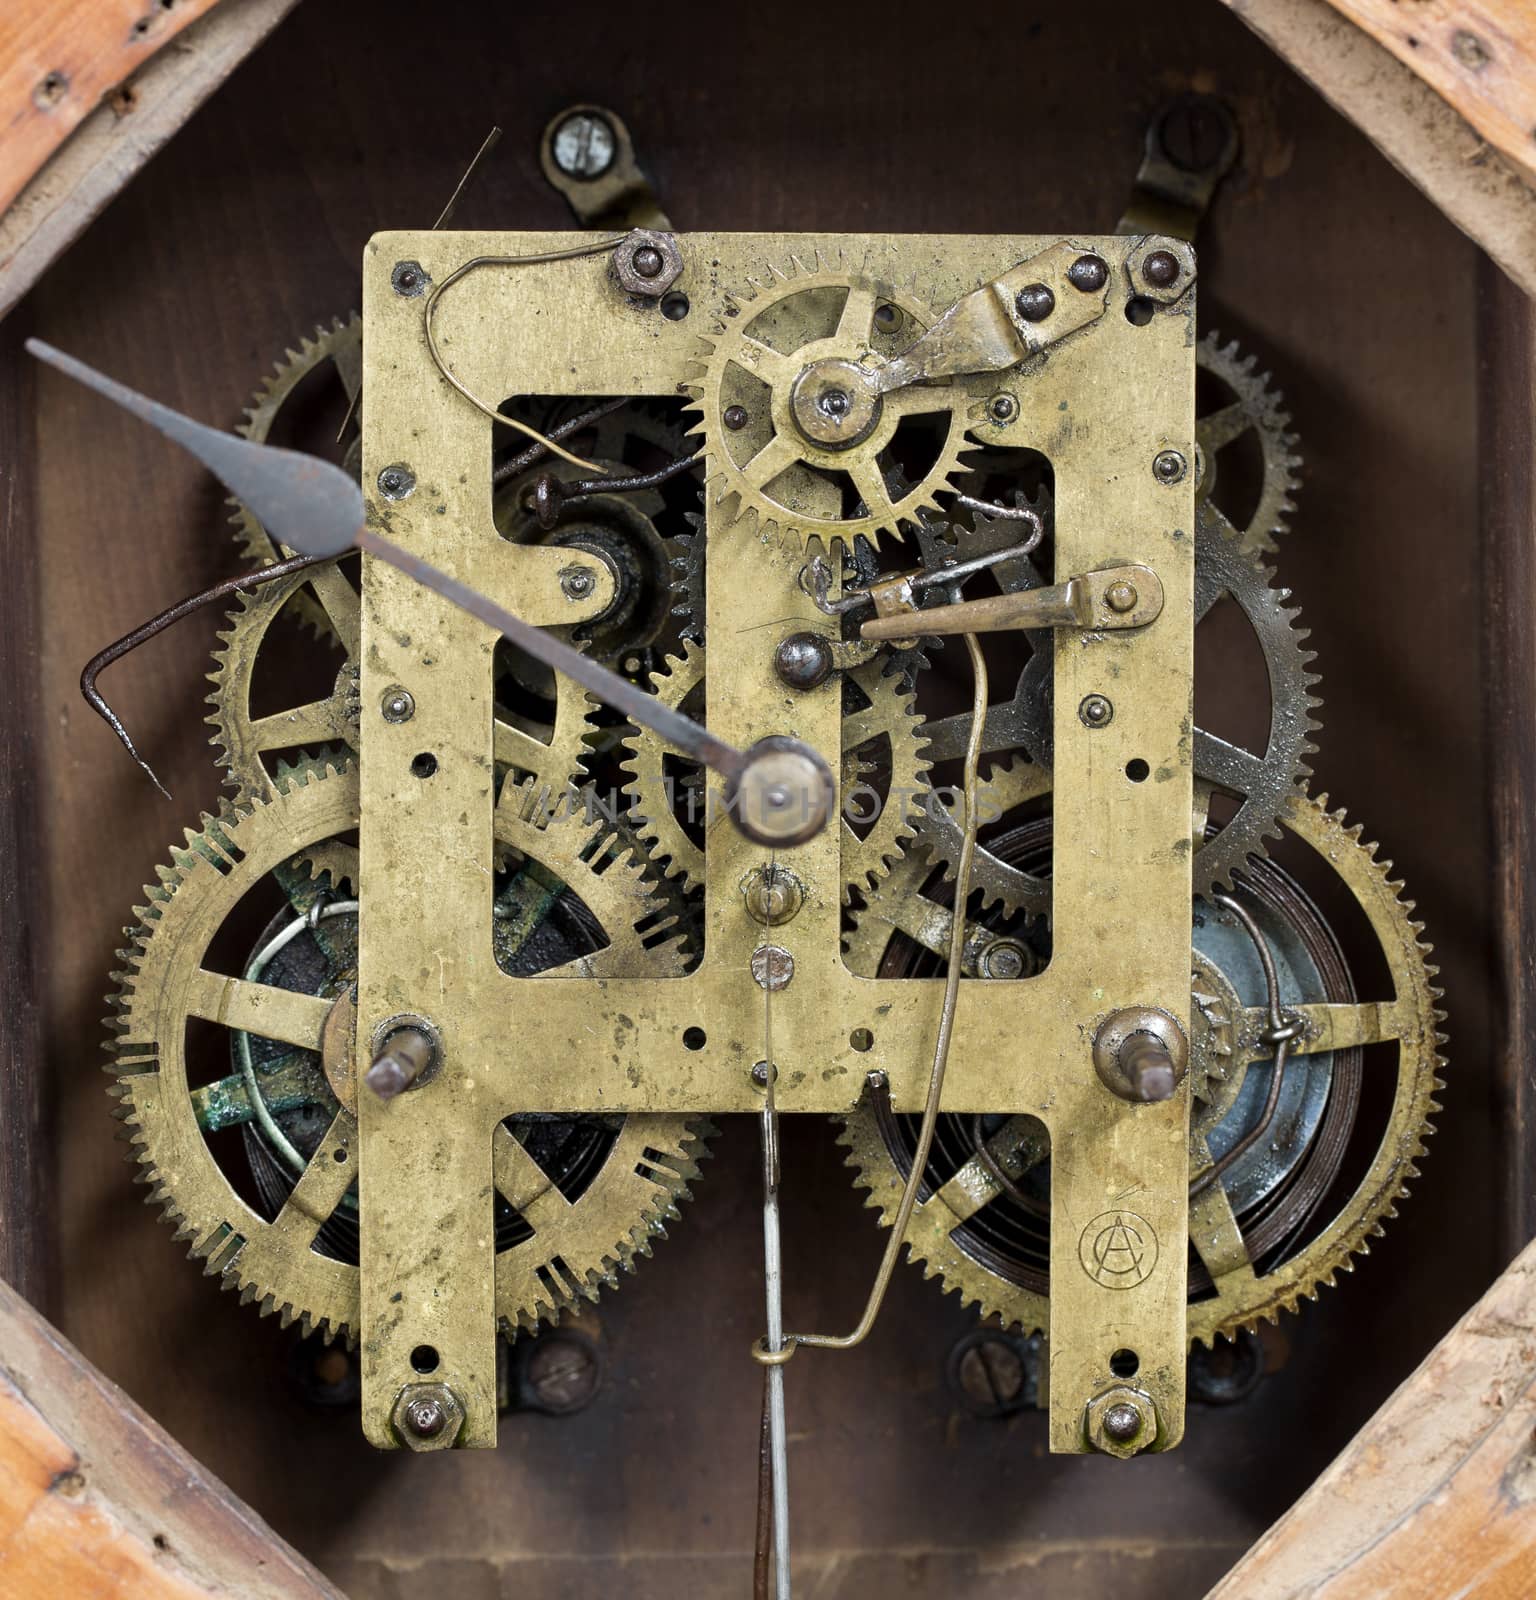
point(779, 792)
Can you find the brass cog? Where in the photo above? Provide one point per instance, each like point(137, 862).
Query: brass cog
point(552, 754)
point(1235, 1295)
point(888, 717)
point(1252, 407)
point(559, 1250)
point(341, 345)
point(769, 466)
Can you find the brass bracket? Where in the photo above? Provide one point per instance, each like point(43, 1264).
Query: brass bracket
point(1110, 599)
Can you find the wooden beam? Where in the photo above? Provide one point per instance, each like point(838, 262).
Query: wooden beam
point(1480, 55)
point(1507, 515)
point(1435, 1498)
point(1420, 133)
point(122, 133)
point(97, 1500)
point(26, 1145)
point(58, 58)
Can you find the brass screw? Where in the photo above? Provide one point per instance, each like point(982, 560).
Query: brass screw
point(772, 967)
point(396, 482)
point(576, 583)
point(1121, 596)
point(1002, 960)
point(398, 705)
point(773, 895)
point(1169, 467)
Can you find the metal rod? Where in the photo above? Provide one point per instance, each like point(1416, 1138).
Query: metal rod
point(157, 625)
point(778, 1356)
point(773, 1302)
point(638, 704)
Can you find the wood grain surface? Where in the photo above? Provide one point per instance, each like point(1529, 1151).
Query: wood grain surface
point(1435, 1498)
point(59, 57)
point(1419, 131)
point(1480, 55)
point(112, 142)
point(98, 1503)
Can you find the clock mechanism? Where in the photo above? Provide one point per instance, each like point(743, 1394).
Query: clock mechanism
point(1130, 1039)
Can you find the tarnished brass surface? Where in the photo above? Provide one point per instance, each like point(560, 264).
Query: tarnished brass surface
point(1111, 397)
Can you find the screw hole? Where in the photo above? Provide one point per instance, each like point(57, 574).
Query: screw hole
point(424, 765)
point(424, 1358)
point(1137, 770)
point(1139, 310)
point(338, 1156)
point(1125, 1363)
point(675, 306)
point(862, 1039)
point(694, 1038)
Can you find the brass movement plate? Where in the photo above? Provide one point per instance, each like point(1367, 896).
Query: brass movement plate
point(1100, 405)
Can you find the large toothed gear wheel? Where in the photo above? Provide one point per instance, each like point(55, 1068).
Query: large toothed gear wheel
point(1258, 783)
point(1247, 408)
point(795, 435)
point(1260, 1240)
point(248, 745)
point(339, 348)
point(882, 740)
point(577, 1199)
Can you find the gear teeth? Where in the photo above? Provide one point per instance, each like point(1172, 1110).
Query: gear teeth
point(748, 506)
point(1396, 1164)
point(1264, 415)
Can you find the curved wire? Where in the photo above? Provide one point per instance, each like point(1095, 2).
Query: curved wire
point(825, 1341)
point(595, 247)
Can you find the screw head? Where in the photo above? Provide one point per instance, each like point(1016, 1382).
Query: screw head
point(1088, 273)
point(396, 482)
point(772, 967)
point(1035, 302)
point(1095, 711)
point(803, 661)
point(647, 261)
point(735, 418)
point(1121, 597)
point(1002, 408)
point(1122, 1422)
point(576, 583)
point(1161, 268)
point(583, 146)
point(1169, 467)
point(990, 1376)
point(409, 279)
point(563, 1373)
point(398, 705)
point(1002, 960)
point(760, 1074)
point(426, 1418)
point(773, 895)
